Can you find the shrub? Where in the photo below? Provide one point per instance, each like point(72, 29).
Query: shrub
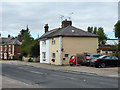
point(118, 54)
point(30, 60)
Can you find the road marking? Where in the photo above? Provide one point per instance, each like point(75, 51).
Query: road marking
point(31, 71)
point(66, 77)
point(36, 72)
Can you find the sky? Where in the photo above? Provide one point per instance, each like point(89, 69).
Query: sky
point(17, 15)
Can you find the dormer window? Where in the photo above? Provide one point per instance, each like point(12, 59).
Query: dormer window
point(53, 40)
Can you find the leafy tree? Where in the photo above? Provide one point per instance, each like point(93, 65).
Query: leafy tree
point(23, 31)
point(27, 42)
point(102, 36)
point(95, 30)
point(35, 50)
point(89, 29)
point(117, 33)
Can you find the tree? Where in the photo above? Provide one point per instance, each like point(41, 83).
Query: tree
point(35, 50)
point(26, 43)
point(102, 36)
point(117, 33)
point(95, 30)
point(88, 29)
point(23, 31)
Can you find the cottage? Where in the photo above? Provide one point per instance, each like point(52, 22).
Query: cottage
point(9, 47)
point(57, 45)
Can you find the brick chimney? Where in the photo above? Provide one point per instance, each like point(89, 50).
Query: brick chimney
point(20, 37)
point(46, 28)
point(66, 23)
point(8, 35)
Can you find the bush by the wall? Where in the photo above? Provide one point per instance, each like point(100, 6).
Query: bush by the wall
point(30, 60)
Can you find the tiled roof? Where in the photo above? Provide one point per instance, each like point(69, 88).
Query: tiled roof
point(7, 41)
point(68, 31)
point(107, 47)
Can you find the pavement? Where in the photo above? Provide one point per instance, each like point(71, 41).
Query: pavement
point(109, 71)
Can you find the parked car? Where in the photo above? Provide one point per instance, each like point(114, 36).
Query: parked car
point(106, 60)
point(90, 57)
point(79, 58)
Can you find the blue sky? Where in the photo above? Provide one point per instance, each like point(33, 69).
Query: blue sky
point(17, 15)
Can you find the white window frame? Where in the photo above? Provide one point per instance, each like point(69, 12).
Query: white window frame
point(43, 55)
point(5, 47)
point(1, 55)
point(44, 42)
point(53, 40)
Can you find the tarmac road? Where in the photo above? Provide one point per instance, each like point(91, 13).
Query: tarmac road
point(45, 78)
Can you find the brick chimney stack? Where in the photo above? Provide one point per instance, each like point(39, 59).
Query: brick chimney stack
point(8, 35)
point(66, 23)
point(46, 28)
point(20, 37)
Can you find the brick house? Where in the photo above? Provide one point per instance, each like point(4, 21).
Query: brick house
point(9, 48)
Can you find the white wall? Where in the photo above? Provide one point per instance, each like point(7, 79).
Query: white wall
point(44, 48)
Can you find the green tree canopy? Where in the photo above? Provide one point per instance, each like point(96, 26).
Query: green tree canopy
point(117, 29)
point(102, 36)
point(117, 33)
point(23, 31)
point(95, 30)
point(29, 46)
point(100, 32)
point(90, 29)
point(26, 44)
point(35, 50)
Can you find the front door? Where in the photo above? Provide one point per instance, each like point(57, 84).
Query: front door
point(5, 55)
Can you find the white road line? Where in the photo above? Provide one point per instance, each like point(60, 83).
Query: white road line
point(66, 77)
point(30, 70)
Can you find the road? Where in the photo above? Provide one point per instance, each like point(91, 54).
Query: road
point(44, 78)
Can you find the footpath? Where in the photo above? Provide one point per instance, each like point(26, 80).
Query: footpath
point(108, 71)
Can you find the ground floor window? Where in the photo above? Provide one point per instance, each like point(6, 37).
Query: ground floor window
point(1, 55)
point(53, 55)
point(44, 55)
point(66, 55)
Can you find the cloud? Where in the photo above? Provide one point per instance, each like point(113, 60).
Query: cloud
point(16, 15)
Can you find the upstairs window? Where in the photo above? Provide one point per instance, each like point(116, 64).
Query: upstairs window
point(1, 48)
point(5, 47)
point(53, 40)
point(44, 55)
point(44, 42)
